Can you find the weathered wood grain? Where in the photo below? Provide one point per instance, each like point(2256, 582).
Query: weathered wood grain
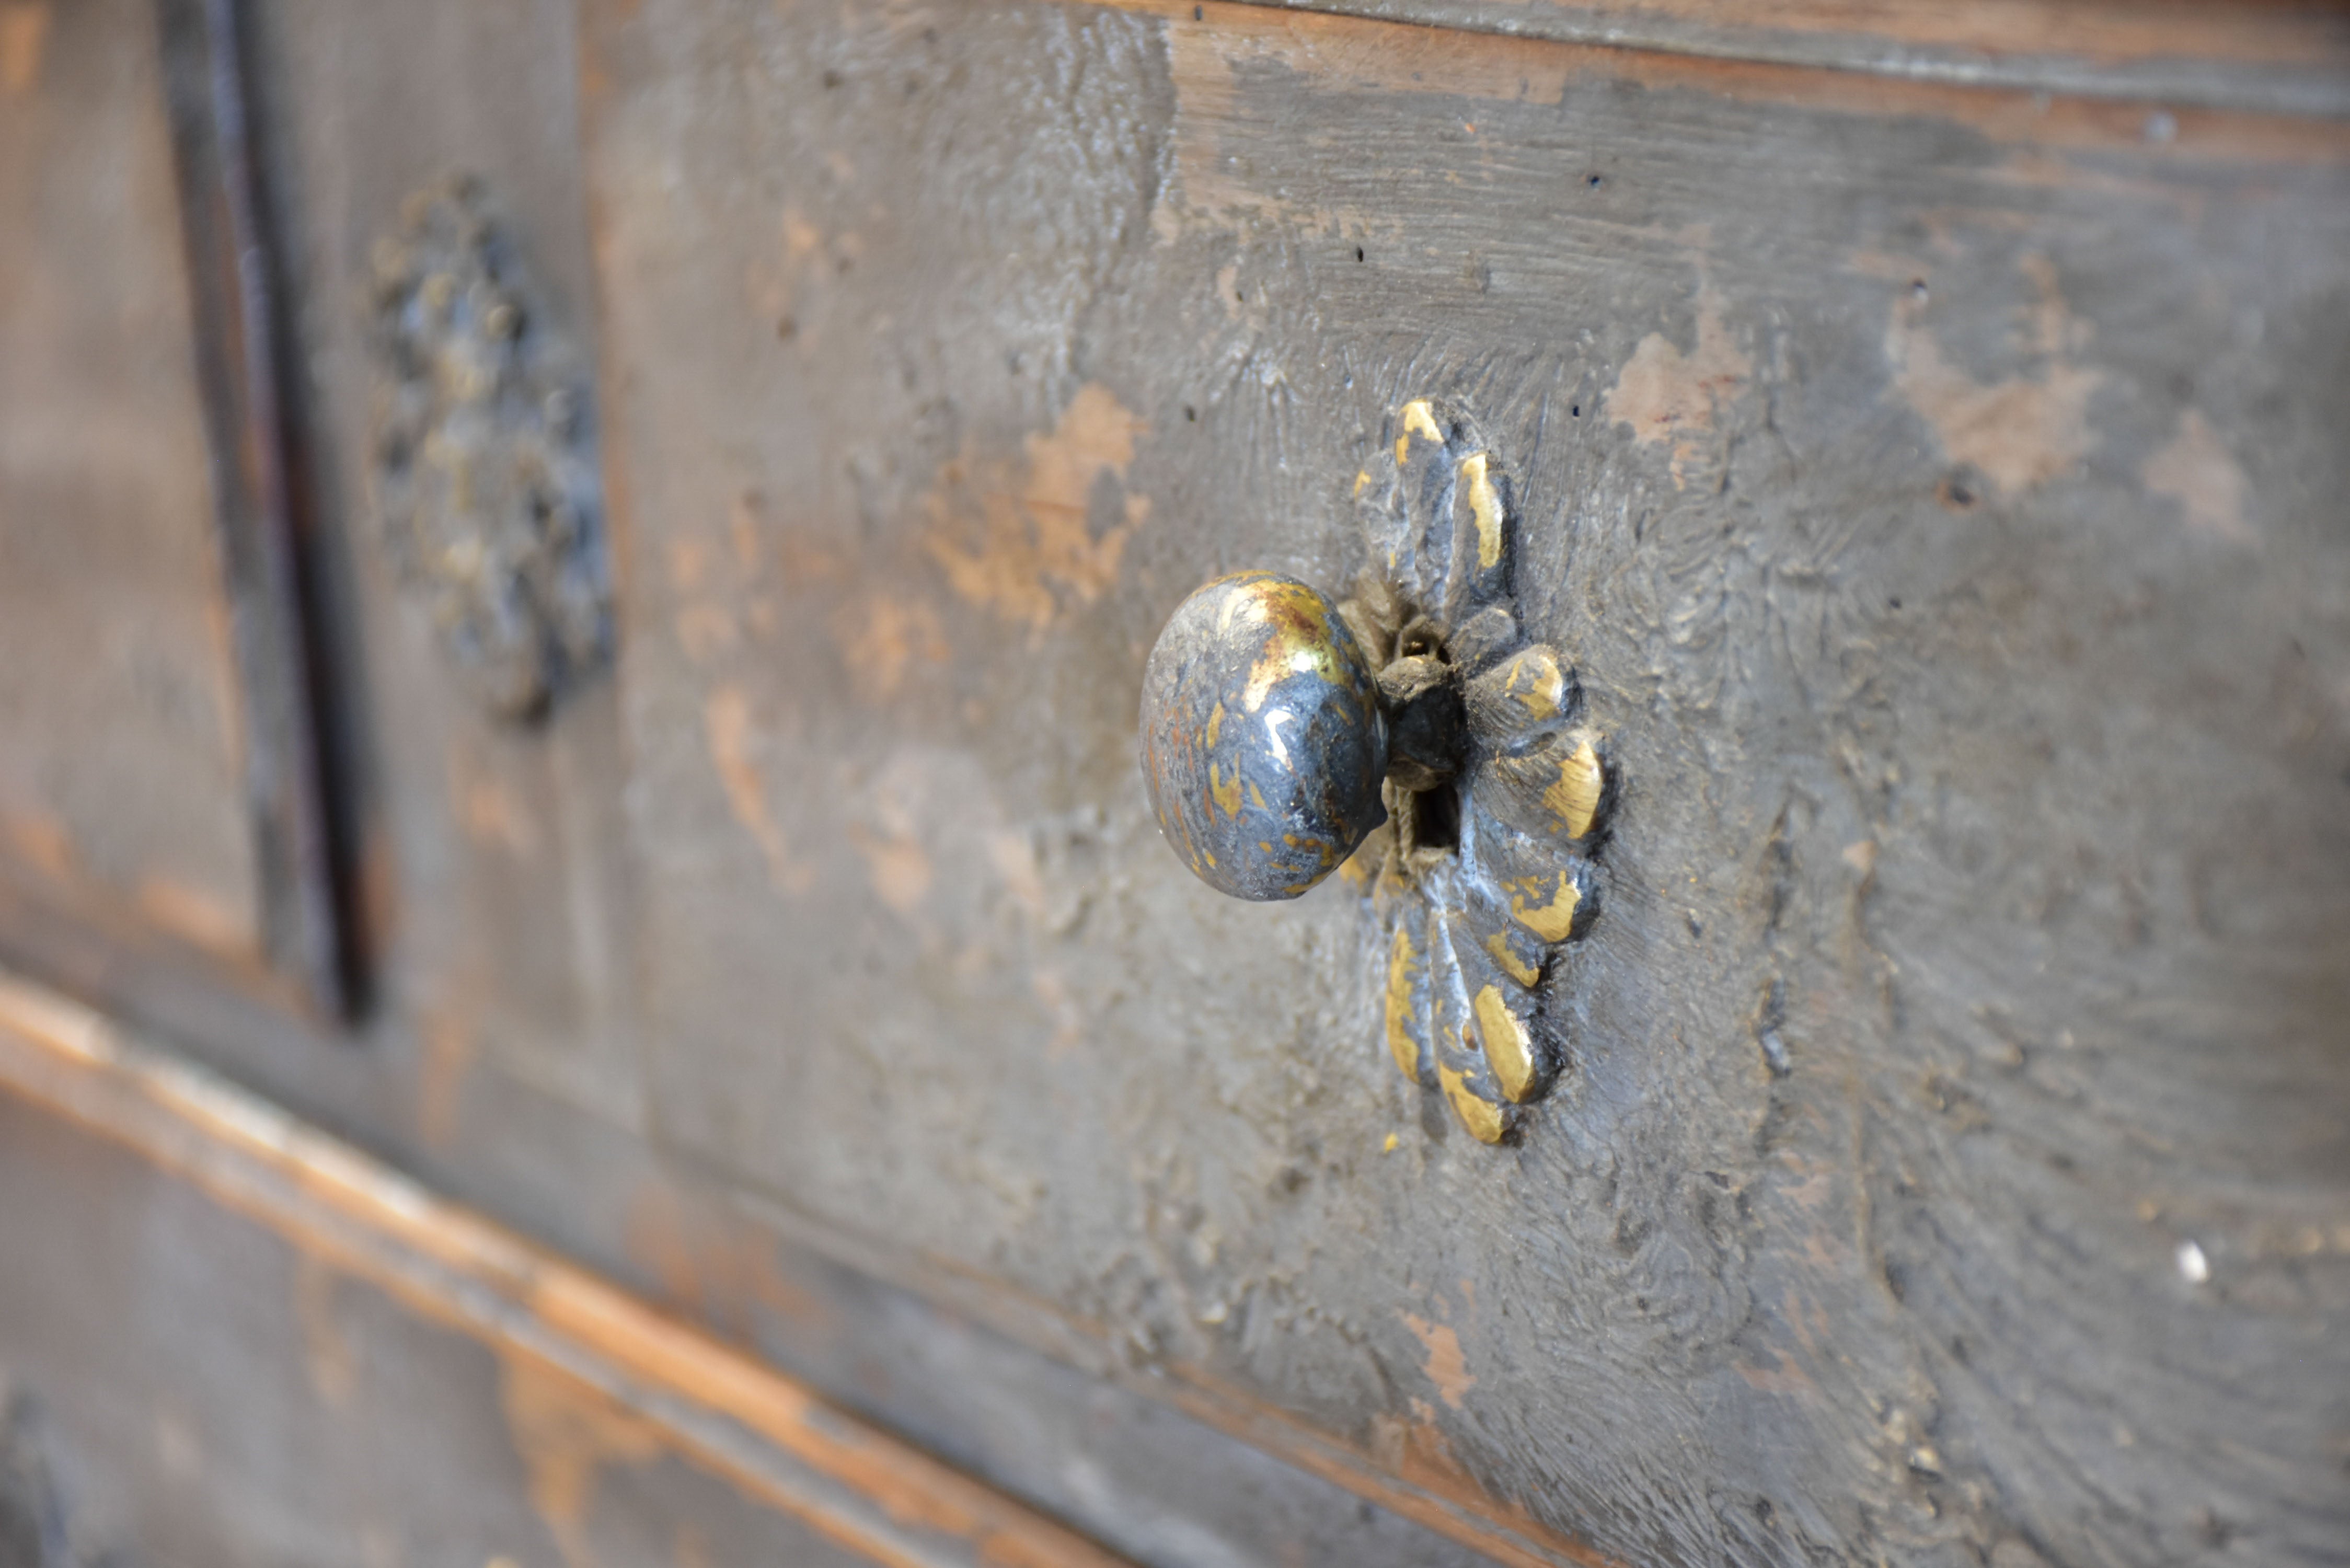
point(2291, 56)
point(1938, 484)
point(160, 789)
point(501, 1056)
point(282, 1221)
point(1935, 487)
point(112, 598)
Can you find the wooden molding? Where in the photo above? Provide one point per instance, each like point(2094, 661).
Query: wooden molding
point(2285, 56)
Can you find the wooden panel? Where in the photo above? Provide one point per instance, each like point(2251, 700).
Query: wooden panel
point(260, 1345)
point(1934, 486)
point(115, 601)
point(156, 778)
point(495, 903)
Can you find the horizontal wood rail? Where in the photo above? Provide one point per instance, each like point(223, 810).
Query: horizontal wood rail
point(2283, 57)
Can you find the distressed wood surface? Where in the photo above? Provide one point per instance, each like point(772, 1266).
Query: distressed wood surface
point(2292, 57)
point(1935, 486)
point(162, 796)
point(1937, 482)
point(330, 1339)
point(112, 595)
point(501, 1056)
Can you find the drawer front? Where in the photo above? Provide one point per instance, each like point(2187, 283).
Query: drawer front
point(1921, 447)
point(1935, 490)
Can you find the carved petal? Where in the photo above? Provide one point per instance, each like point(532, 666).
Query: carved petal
point(1436, 511)
point(1523, 692)
point(1500, 965)
point(1550, 889)
point(1407, 995)
point(1479, 1094)
point(1560, 789)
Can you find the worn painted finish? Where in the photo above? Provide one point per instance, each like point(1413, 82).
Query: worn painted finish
point(502, 1054)
point(1935, 486)
point(113, 597)
point(146, 567)
point(269, 1215)
point(2290, 58)
point(1858, 422)
point(1263, 743)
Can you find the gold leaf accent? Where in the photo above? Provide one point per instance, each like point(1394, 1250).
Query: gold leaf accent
point(1525, 974)
point(1402, 960)
point(1485, 506)
point(1298, 639)
point(1482, 1118)
point(1573, 800)
point(1509, 1049)
point(1550, 921)
point(1416, 418)
point(1226, 793)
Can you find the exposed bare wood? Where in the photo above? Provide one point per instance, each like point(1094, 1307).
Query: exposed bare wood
point(2292, 57)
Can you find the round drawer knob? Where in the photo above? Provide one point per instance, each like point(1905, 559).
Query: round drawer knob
point(1262, 743)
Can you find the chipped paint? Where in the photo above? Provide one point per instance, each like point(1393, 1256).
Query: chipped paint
point(2020, 431)
point(488, 811)
point(2196, 469)
point(1533, 681)
point(896, 867)
point(1419, 420)
point(1415, 1448)
point(712, 1266)
point(1668, 396)
point(883, 636)
point(727, 720)
point(1226, 792)
point(716, 1407)
point(450, 1046)
point(23, 39)
point(1445, 1366)
point(1019, 539)
point(566, 1431)
point(328, 1360)
point(1333, 55)
point(41, 840)
point(1299, 640)
point(194, 916)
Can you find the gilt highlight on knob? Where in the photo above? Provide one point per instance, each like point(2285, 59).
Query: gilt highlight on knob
point(1263, 743)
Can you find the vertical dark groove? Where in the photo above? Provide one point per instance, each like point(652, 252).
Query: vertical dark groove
point(293, 784)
